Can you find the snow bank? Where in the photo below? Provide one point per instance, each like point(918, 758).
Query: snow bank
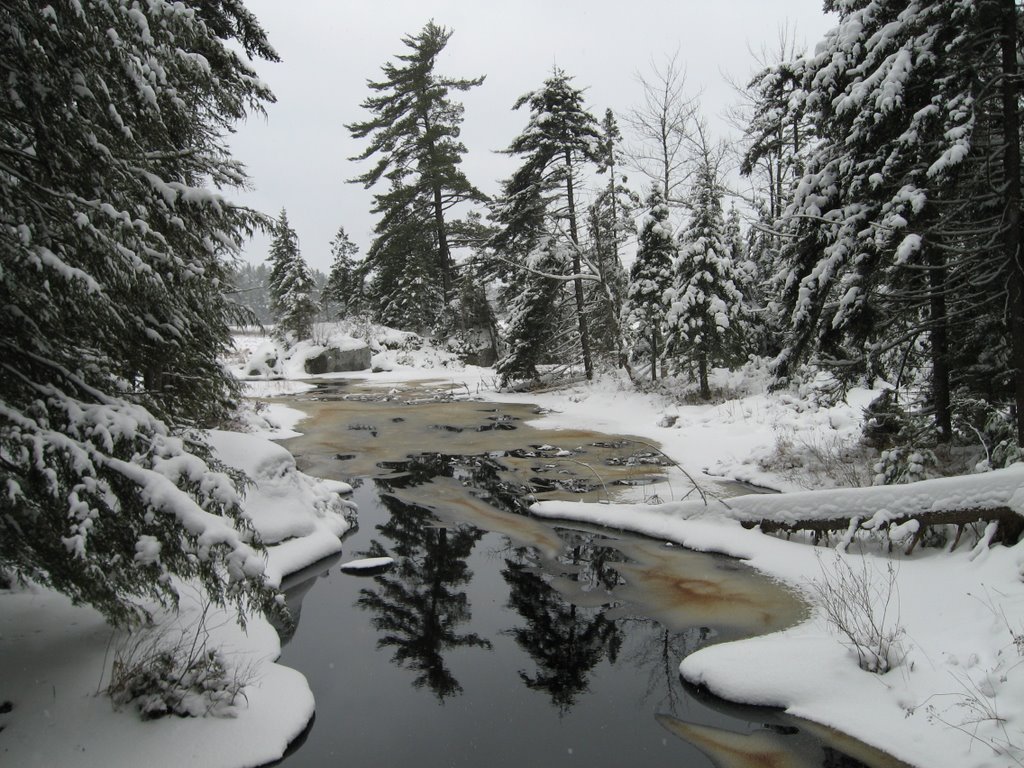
point(54, 655)
point(367, 564)
point(304, 517)
point(273, 360)
point(1003, 488)
point(962, 613)
point(270, 368)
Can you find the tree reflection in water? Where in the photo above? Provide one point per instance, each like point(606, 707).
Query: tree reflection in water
point(419, 607)
point(658, 651)
point(565, 640)
point(416, 604)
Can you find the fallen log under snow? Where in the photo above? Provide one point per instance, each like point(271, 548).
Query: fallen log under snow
point(904, 512)
point(1010, 524)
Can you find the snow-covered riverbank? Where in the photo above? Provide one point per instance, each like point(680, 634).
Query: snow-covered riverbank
point(955, 696)
point(55, 658)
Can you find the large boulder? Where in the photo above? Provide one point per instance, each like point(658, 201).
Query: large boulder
point(485, 357)
point(335, 359)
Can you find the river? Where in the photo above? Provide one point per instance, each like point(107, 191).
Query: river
point(497, 639)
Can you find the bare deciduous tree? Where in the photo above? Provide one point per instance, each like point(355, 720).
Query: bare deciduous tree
point(661, 126)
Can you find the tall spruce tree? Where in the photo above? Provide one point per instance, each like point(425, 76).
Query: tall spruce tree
point(778, 135)
point(404, 287)
point(610, 225)
point(115, 244)
point(906, 224)
point(618, 202)
point(706, 309)
point(343, 292)
point(539, 199)
point(413, 134)
point(650, 279)
point(291, 284)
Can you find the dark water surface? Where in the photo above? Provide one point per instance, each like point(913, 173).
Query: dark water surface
point(501, 640)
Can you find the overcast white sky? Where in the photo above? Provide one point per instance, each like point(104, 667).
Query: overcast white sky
point(297, 157)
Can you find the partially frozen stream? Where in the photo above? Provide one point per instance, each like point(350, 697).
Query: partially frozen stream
point(499, 639)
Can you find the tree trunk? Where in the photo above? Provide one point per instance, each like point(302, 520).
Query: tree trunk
point(1012, 200)
point(665, 165)
point(654, 355)
point(581, 315)
point(615, 212)
point(702, 375)
point(615, 303)
point(444, 254)
point(939, 344)
point(779, 189)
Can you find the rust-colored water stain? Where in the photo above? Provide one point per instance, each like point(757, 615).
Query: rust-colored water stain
point(848, 745)
point(680, 588)
point(357, 431)
point(760, 749)
point(768, 749)
point(688, 589)
point(353, 438)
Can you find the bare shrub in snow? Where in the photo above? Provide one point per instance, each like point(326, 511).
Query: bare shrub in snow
point(162, 671)
point(863, 606)
point(814, 460)
point(320, 334)
point(974, 707)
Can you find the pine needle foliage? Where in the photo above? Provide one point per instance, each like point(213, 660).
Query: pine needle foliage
point(115, 243)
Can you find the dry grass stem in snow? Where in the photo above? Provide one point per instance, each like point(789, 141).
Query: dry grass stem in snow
point(164, 670)
point(975, 713)
point(863, 606)
point(814, 460)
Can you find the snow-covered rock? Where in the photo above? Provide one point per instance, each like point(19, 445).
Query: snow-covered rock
point(367, 565)
point(303, 516)
point(336, 359)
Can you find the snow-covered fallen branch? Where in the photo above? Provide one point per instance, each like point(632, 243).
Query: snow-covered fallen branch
point(990, 497)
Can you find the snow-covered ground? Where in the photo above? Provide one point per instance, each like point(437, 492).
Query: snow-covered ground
point(955, 695)
point(399, 356)
point(55, 658)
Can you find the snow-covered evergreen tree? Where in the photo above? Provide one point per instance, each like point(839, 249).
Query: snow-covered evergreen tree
point(616, 205)
point(778, 135)
point(706, 312)
point(477, 339)
point(291, 284)
point(413, 132)
point(414, 295)
point(404, 289)
point(610, 225)
point(650, 278)
point(539, 199)
point(342, 294)
point(753, 284)
point(906, 225)
point(115, 245)
point(533, 318)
